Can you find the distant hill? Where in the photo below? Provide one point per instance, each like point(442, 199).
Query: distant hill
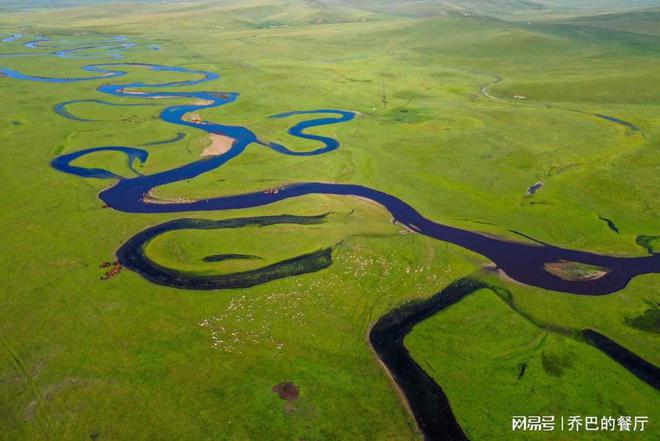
point(25, 4)
point(642, 22)
point(276, 13)
point(498, 7)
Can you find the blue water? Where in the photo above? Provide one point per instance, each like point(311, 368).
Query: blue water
point(330, 144)
point(62, 108)
point(630, 125)
point(523, 262)
point(63, 163)
point(35, 43)
point(12, 38)
point(179, 136)
point(110, 48)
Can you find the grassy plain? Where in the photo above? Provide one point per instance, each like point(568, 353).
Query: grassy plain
point(126, 359)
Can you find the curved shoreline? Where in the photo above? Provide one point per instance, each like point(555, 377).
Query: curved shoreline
point(522, 262)
point(424, 397)
point(518, 260)
point(428, 402)
point(179, 136)
point(132, 255)
point(633, 363)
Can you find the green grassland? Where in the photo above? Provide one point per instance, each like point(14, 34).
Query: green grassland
point(495, 352)
point(126, 359)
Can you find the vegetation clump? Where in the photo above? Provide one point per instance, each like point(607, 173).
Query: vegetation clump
point(575, 271)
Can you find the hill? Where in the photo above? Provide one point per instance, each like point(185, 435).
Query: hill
point(336, 11)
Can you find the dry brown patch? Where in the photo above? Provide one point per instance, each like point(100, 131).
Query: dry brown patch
point(133, 92)
point(151, 199)
point(193, 117)
point(494, 269)
point(219, 144)
point(287, 391)
point(113, 269)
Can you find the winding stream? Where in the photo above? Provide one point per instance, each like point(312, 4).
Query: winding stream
point(521, 261)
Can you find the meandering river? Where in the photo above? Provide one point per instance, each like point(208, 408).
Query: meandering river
point(522, 261)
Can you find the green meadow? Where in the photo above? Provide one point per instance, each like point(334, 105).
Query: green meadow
point(458, 115)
